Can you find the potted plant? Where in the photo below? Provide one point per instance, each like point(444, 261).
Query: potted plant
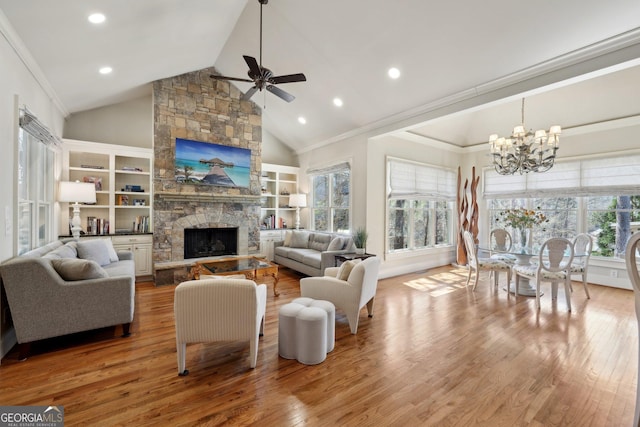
point(360, 240)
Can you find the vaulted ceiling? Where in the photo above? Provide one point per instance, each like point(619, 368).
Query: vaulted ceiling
point(451, 55)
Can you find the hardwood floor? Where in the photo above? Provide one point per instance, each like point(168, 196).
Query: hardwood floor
point(435, 353)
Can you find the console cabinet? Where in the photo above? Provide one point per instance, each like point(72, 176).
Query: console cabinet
point(141, 246)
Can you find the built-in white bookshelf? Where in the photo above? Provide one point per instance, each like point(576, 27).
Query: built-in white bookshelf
point(123, 179)
point(277, 184)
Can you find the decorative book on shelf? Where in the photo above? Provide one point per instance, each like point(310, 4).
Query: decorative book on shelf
point(141, 224)
point(97, 226)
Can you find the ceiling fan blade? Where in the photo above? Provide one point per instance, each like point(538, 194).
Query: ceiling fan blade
point(236, 79)
point(254, 68)
point(290, 78)
point(280, 93)
point(249, 93)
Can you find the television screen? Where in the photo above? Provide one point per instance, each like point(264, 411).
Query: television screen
point(212, 164)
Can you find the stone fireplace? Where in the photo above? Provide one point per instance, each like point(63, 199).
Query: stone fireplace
point(193, 106)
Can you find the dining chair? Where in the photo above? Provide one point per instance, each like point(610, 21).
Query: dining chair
point(554, 265)
point(630, 257)
point(582, 245)
point(478, 264)
point(500, 242)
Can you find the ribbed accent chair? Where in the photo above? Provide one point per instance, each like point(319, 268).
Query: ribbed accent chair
point(219, 310)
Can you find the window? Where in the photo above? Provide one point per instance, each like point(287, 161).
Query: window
point(35, 192)
point(611, 220)
point(599, 197)
point(331, 201)
point(418, 224)
point(562, 213)
point(420, 206)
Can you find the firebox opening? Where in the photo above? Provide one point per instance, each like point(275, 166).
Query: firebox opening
point(204, 242)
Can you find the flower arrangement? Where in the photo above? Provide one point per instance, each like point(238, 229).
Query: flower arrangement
point(522, 218)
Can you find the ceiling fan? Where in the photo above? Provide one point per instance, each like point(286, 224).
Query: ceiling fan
point(262, 77)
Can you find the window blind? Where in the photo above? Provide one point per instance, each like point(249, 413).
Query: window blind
point(410, 180)
point(615, 175)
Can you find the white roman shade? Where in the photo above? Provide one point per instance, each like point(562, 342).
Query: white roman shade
point(588, 177)
point(411, 180)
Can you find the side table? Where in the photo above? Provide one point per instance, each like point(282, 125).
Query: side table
point(348, 257)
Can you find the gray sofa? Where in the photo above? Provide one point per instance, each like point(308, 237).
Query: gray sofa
point(60, 289)
point(310, 252)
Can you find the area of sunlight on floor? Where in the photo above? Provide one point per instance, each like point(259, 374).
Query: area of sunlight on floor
point(438, 284)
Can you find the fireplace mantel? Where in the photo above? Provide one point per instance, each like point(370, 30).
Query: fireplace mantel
point(206, 197)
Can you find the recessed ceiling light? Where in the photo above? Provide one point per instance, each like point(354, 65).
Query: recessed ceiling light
point(394, 73)
point(302, 120)
point(337, 102)
point(97, 18)
point(105, 70)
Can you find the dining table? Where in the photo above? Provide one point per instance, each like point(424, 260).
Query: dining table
point(520, 256)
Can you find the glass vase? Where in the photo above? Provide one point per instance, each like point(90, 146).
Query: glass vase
point(525, 237)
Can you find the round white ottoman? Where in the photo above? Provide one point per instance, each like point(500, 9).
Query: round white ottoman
point(330, 309)
point(287, 346)
point(311, 335)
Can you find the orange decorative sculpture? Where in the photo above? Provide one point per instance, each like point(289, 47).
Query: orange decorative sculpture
point(467, 221)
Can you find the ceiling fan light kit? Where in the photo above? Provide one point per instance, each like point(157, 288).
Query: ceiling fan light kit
point(262, 77)
point(525, 151)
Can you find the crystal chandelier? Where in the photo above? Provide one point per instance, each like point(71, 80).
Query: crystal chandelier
point(525, 151)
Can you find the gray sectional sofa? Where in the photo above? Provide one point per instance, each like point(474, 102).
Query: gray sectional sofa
point(60, 289)
point(310, 252)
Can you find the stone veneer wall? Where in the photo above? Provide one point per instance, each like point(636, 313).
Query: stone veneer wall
point(194, 106)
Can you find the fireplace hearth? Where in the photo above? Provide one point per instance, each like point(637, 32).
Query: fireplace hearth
point(204, 242)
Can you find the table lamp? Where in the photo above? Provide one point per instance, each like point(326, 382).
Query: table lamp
point(298, 201)
point(76, 193)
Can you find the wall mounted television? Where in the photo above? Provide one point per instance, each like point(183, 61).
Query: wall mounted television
point(204, 163)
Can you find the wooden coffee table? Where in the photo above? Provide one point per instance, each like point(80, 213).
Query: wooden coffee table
point(251, 267)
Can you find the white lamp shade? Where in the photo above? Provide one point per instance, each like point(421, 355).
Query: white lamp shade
point(298, 200)
point(80, 192)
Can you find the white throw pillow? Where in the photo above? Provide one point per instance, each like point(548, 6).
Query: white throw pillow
point(287, 238)
point(345, 269)
point(336, 244)
point(95, 250)
point(113, 255)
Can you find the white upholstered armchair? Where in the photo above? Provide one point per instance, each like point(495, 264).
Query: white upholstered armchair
point(219, 310)
point(347, 295)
